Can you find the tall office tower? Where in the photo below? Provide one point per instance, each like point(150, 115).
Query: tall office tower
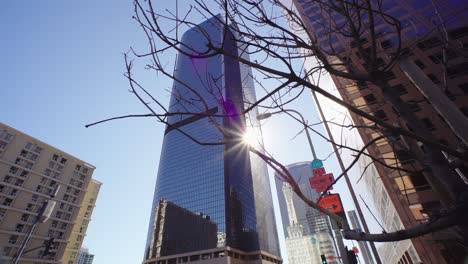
point(354, 222)
point(434, 37)
point(82, 221)
point(85, 257)
point(225, 183)
point(298, 217)
point(29, 171)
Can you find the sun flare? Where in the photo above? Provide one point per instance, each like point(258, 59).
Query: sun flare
point(250, 137)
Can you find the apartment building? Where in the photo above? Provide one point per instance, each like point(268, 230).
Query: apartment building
point(78, 234)
point(29, 172)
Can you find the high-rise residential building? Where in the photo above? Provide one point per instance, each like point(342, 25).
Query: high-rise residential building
point(85, 257)
point(301, 223)
point(29, 171)
point(224, 183)
point(434, 36)
point(354, 223)
point(82, 221)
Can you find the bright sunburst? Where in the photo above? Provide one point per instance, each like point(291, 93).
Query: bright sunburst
point(250, 137)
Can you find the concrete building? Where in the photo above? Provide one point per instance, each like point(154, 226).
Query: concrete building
point(432, 58)
point(224, 182)
point(85, 257)
point(82, 221)
point(300, 247)
point(365, 252)
point(29, 171)
point(302, 225)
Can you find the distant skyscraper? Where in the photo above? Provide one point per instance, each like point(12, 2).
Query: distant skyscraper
point(223, 182)
point(365, 252)
point(309, 221)
point(85, 257)
point(301, 248)
point(30, 170)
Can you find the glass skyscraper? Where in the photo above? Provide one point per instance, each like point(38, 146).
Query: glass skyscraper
point(224, 183)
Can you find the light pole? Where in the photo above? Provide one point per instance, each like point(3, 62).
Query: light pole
point(267, 115)
point(44, 215)
point(348, 182)
point(339, 238)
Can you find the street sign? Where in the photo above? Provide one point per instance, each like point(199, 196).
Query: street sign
point(321, 183)
point(318, 172)
point(316, 163)
point(332, 203)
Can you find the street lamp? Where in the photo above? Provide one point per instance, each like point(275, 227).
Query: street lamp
point(44, 215)
point(268, 115)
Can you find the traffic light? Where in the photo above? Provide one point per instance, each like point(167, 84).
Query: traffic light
point(324, 259)
point(49, 245)
point(352, 258)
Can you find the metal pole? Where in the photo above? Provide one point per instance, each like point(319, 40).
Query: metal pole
point(24, 243)
point(267, 115)
point(341, 247)
point(348, 182)
point(306, 128)
point(42, 217)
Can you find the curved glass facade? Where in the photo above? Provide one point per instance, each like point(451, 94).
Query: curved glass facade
point(222, 183)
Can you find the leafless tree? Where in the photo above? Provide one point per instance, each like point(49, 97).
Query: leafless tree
point(277, 44)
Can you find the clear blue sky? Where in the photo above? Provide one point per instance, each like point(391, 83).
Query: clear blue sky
point(62, 68)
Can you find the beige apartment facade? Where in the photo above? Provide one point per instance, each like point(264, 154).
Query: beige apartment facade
point(29, 171)
point(78, 234)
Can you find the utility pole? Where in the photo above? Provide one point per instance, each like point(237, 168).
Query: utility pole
point(44, 215)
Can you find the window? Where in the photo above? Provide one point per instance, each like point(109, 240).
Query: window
point(386, 44)
point(55, 157)
point(388, 76)
point(7, 179)
point(457, 70)
point(433, 78)
point(370, 99)
point(429, 43)
point(414, 106)
point(13, 239)
point(428, 124)
point(381, 114)
point(13, 170)
point(63, 160)
point(420, 64)
point(400, 89)
point(25, 217)
point(19, 182)
point(7, 201)
point(19, 227)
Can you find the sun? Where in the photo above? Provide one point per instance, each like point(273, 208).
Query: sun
point(250, 137)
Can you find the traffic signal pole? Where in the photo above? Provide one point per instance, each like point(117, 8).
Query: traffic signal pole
point(348, 182)
point(44, 215)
